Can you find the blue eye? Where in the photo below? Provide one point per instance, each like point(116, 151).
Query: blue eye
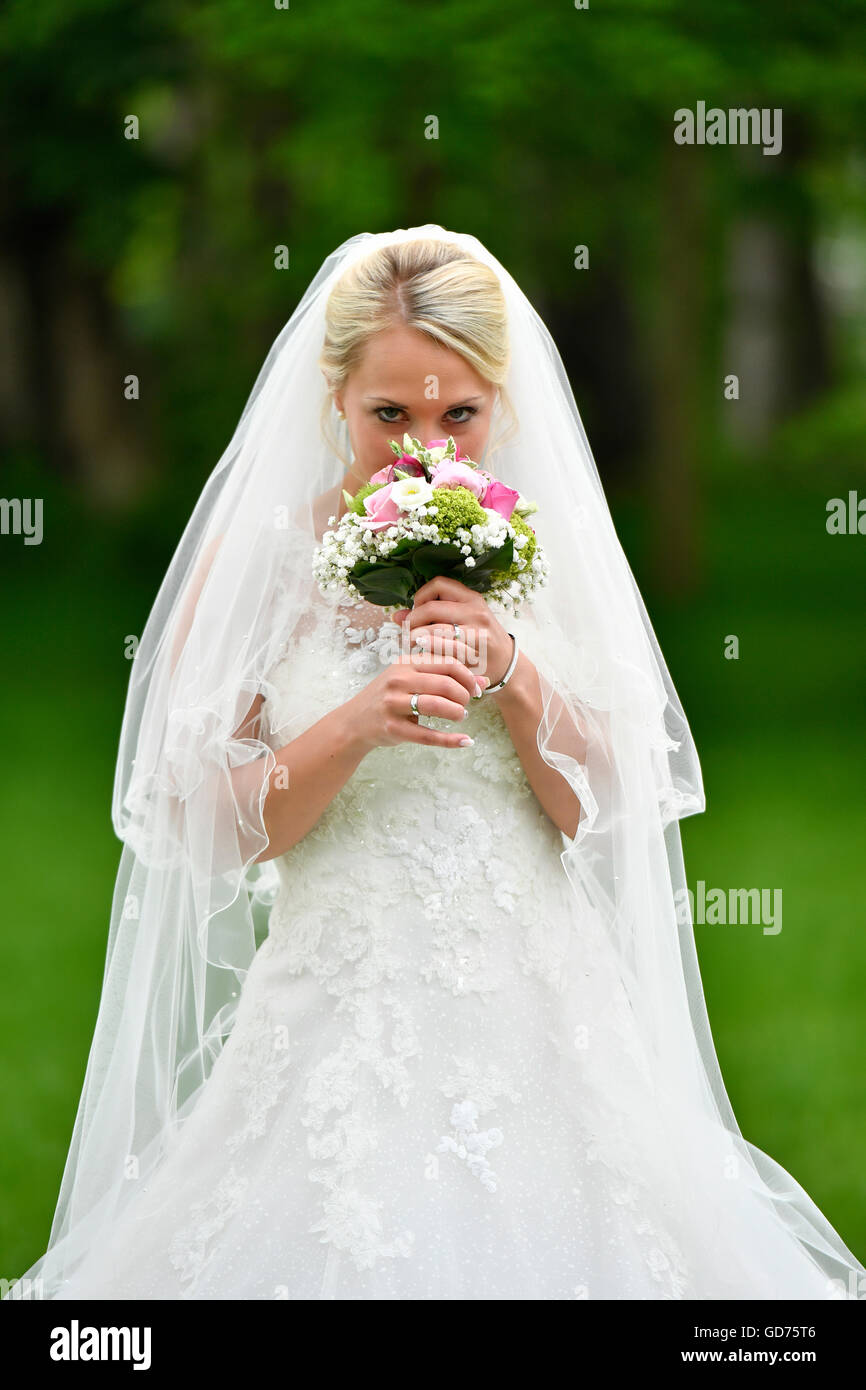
point(381, 412)
point(467, 410)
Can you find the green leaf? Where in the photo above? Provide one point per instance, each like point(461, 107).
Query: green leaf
point(479, 576)
point(430, 560)
point(384, 584)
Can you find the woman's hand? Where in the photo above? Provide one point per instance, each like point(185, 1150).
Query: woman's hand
point(485, 645)
point(382, 712)
point(441, 603)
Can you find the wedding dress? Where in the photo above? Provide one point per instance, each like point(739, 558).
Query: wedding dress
point(437, 1050)
point(408, 1107)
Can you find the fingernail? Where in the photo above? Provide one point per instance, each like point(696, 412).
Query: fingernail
point(464, 742)
point(477, 688)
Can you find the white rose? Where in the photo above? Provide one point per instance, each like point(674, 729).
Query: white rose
point(524, 508)
point(409, 493)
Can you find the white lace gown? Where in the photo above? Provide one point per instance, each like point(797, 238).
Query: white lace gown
point(405, 1108)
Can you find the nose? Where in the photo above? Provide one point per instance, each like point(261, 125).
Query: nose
point(419, 426)
point(427, 426)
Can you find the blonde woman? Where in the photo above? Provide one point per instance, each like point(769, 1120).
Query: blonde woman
point(400, 1001)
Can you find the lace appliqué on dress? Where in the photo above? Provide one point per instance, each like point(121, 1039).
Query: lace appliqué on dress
point(264, 1055)
point(470, 1144)
point(611, 1146)
point(188, 1251)
point(479, 1088)
point(382, 1041)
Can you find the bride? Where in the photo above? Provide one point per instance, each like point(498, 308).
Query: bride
point(398, 1005)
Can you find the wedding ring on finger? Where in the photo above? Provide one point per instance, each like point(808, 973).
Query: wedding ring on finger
point(415, 710)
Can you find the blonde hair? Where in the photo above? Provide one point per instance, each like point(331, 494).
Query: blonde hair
point(426, 284)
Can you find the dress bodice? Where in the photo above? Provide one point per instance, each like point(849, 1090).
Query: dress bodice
point(435, 829)
point(334, 653)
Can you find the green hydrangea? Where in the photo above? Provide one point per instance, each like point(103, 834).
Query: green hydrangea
point(526, 553)
point(456, 506)
point(358, 502)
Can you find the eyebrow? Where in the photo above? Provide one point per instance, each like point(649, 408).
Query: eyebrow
point(467, 400)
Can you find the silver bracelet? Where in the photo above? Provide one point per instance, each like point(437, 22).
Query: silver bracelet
point(509, 673)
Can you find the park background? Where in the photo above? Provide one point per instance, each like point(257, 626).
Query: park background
point(262, 126)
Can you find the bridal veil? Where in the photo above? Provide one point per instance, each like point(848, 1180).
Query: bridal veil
point(190, 904)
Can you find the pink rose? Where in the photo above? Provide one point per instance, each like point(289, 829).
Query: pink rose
point(459, 475)
point(500, 498)
point(381, 510)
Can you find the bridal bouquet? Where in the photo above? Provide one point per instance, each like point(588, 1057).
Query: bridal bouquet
point(433, 511)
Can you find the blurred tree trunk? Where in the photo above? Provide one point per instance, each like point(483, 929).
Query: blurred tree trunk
point(777, 336)
point(28, 368)
point(807, 332)
point(62, 386)
point(105, 431)
point(596, 337)
point(676, 359)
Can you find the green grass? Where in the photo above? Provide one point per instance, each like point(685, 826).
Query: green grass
point(63, 633)
point(786, 1009)
point(781, 734)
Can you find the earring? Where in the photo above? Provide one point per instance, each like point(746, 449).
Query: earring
point(340, 413)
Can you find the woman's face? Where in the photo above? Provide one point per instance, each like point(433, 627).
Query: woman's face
point(405, 383)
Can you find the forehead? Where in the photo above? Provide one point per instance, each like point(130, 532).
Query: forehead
point(398, 361)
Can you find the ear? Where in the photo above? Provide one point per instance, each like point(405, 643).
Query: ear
point(336, 396)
